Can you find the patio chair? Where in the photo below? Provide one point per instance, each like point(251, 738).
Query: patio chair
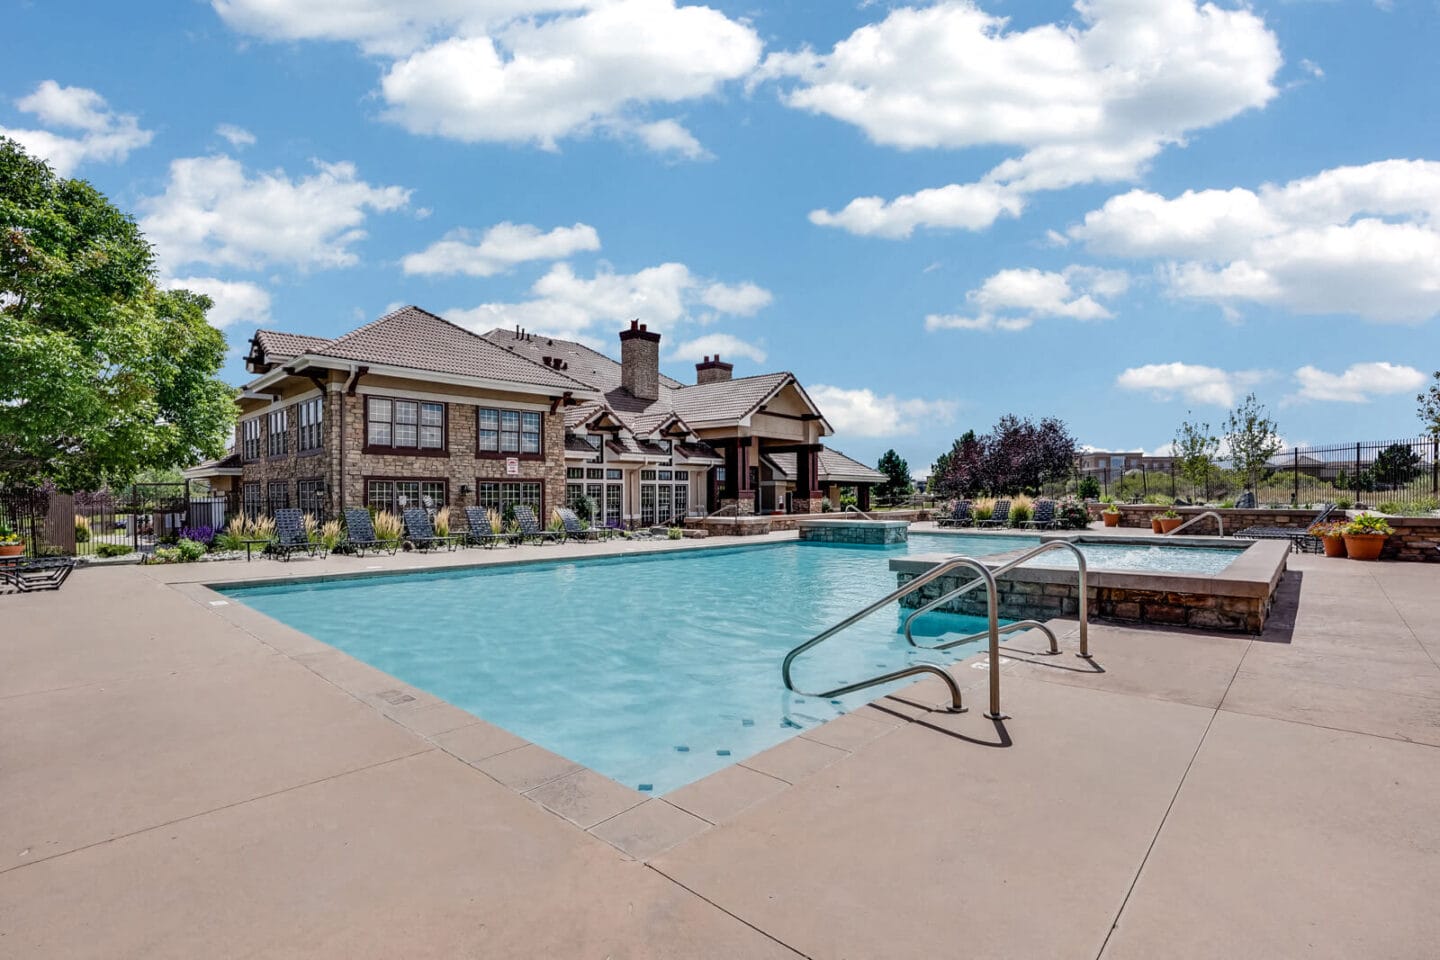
point(960, 516)
point(999, 517)
point(530, 529)
point(574, 529)
point(1044, 516)
point(33, 574)
point(290, 535)
point(360, 533)
point(479, 533)
point(1299, 537)
point(421, 532)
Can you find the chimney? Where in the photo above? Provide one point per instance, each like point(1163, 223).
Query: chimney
point(713, 371)
point(640, 361)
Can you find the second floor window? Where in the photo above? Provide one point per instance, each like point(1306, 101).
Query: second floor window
point(250, 439)
point(508, 431)
point(404, 423)
point(279, 432)
point(311, 422)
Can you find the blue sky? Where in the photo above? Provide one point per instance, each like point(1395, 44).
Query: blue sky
point(1112, 212)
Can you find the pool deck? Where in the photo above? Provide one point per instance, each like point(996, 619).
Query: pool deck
point(185, 780)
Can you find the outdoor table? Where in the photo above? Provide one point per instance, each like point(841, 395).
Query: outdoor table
point(249, 544)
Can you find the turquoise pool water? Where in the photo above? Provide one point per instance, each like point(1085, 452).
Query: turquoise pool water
point(652, 670)
point(1159, 558)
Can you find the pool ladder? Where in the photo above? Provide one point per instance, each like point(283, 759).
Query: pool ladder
point(993, 629)
point(851, 508)
point(1219, 522)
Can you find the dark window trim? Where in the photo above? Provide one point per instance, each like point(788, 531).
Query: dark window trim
point(501, 454)
point(540, 514)
point(442, 451)
point(368, 479)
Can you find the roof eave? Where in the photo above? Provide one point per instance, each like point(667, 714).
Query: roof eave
point(304, 361)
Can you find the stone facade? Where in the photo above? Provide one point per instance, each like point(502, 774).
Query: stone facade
point(872, 533)
point(640, 361)
point(1416, 539)
point(1021, 599)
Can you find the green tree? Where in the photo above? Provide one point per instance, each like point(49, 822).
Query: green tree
point(1429, 409)
point(1397, 465)
point(1195, 450)
point(102, 373)
point(897, 475)
point(1253, 438)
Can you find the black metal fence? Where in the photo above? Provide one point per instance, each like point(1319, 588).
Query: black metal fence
point(25, 512)
point(1393, 476)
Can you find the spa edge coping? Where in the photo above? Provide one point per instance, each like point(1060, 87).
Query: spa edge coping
point(1256, 572)
point(847, 522)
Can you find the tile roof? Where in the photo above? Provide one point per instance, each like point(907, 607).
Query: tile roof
point(415, 338)
point(279, 345)
point(585, 364)
point(834, 467)
point(726, 399)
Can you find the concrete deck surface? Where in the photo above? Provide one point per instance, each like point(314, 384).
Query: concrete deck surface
point(181, 780)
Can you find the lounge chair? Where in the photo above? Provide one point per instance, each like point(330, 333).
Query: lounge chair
point(290, 535)
point(1044, 516)
point(999, 517)
point(421, 532)
point(530, 529)
point(1299, 537)
point(33, 574)
point(360, 533)
point(960, 516)
point(574, 529)
point(480, 534)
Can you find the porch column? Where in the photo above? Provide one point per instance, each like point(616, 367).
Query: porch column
point(862, 494)
point(807, 469)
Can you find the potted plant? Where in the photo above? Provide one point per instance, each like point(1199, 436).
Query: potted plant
point(1365, 536)
point(1169, 520)
point(1111, 514)
point(1332, 536)
point(11, 543)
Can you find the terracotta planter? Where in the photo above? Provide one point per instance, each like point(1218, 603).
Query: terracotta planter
point(1364, 546)
point(1170, 523)
point(1111, 519)
point(1334, 546)
point(1155, 525)
point(11, 549)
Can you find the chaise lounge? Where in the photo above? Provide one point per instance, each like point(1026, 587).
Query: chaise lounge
point(960, 516)
point(1000, 517)
point(1044, 516)
point(290, 535)
point(479, 533)
point(1299, 537)
point(530, 529)
point(360, 533)
point(420, 532)
point(574, 529)
point(33, 574)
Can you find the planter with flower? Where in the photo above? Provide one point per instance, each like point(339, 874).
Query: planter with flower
point(1111, 515)
point(1331, 535)
point(11, 543)
point(1365, 536)
point(1169, 520)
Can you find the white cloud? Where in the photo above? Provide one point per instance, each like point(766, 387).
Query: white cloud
point(973, 206)
point(236, 301)
point(1090, 101)
point(863, 413)
point(499, 248)
point(211, 212)
point(1015, 299)
point(1194, 382)
point(1357, 383)
point(1363, 240)
point(717, 344)
point(238, 136)
point(565, 304)
point(97, 133)
point(541, 80)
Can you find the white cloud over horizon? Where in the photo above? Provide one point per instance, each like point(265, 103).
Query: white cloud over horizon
point(1196, 383)
point(499, 248)
point(236, 135)
point(1014, 299)
point(235, 301)
point(93, 131)
point(1361, 240)
point(864, 413)
point(1088, 101)
point(1357, 383)
point(718, 345)
point(212, 212)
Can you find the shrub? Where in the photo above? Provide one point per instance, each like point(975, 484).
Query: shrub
point(1088, 488)
point(1368, 523)
point(849, 500)
point(497, 522)
point(983, 513)
point(1419, 508)
point(243, 528)
point(388, 527)
point(8, 536)
point(112, 549)
point(332, 534)
point(1072, 515)
point(1333, 528)
point(188, 551)
point(202, 535)
point(825, 505)
point(1340, 504)
point(165, 555)
point(1160, 500)
point(675, 533)
point(1020, 511)
point(1111, 507)
point(82, 529)
point(1170, 515)
point(441, 522)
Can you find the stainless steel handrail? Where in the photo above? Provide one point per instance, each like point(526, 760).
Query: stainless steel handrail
point(1007, 628)
point(1219, 522)
point(1005, 568)
point(955, 700)
point(851, 508)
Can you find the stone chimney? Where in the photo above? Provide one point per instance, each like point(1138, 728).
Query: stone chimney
point(713, 371)
point(640, 361)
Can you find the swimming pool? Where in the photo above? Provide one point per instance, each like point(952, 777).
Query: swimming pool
point(1137, 557)
point(653, 670)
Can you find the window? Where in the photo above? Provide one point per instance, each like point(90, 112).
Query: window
point(573, 493)
point(501, 496)
point(647, 504)
point(613, 494)
point(251, 494)
point(279, 432)
point(664, 474)
point(574, 473)
point(311, 413)
point(277, 493)
point(682, 500)
point(397, 495)
point(614, 475)
point(508, 432)
point(594, 473)
point(310, 496)
point(647, 474)
point(402, 424)
point(663, 511)
point(250, 441)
